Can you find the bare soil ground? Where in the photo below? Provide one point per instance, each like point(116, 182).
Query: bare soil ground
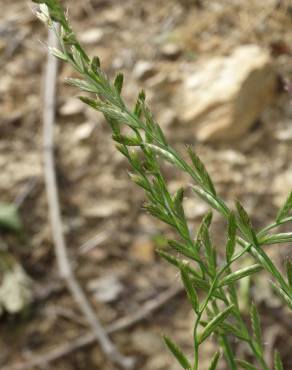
point(97, 198)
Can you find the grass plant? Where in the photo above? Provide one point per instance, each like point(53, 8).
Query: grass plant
point(210, 284)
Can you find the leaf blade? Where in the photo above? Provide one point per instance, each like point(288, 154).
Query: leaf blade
point(285, 209)
point(240, 274)
point(191, 292)
point(212, 325)
point(177, 352)
point(277, 361)
point(214, 361)
point(256, 327)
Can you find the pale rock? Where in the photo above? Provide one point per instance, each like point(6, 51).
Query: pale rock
point(142, 250)
point(143, 69)
point(226, 95)
point(114, 14)
point(106, 289)
point(105, 208)
point(15, 290)
point(284, 134)
point(92, 36)
point(71, 107)
point(6, 83)
point(171, 51)
point(232, 156)
point(84, 131)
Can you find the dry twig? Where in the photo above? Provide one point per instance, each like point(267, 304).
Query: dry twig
point(55, 216)
point(86, 339)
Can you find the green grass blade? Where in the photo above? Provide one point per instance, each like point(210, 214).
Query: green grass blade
point(118, 83)
point(214, 361)
point(277, 361)
point(214, 323)
point(240, 274)
point(245, 224)
point(256, 327)
point(289, 272)
point(246, 365)
point(282, 294)
point(191, 292)
point(231, 236)
point(285, 209)
point(202, 172)
point(214, 202)
point(177, 352)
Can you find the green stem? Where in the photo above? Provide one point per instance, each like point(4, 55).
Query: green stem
point(228, 353)
point(264, 231)
point(258, 355)
point(262, 257)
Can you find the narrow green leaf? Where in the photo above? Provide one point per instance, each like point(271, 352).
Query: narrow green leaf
point(245, 224)
point(207, 220)
point(95, 64)
point(81, 84)
point(205, 224)
point(246, 365)
point(114, 124)
point(276, 238)
point(77, 57)
point(118, 83)
point(213, 324)
point(159, 213)
point(228, 352)
point(178, 197)
point(140, 181)
point(210, 251)
point(91, 102)
point(214, 202)
point(233, 295)
point(202, 172)
point(58, 54)
point(177, 352)
point(177, 202)
point(179, 263)
point(169, 157)
point(240, 274)
point(225, 328)
point(237, 332)
point(139, 104)
point(9, 217)
point(204, 234)
point(191, 292)
point(198, 282)
point(282, 294)
point(127, 140)
point(256, 327)
point(289, 272)
point(285, 209)
point(231, 236)
point(184, 250)
point(160, 134)
point(214, 361)
point(123, 149)
point(277, 361)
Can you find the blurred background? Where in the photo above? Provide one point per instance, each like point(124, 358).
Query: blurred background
point(216, 74)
